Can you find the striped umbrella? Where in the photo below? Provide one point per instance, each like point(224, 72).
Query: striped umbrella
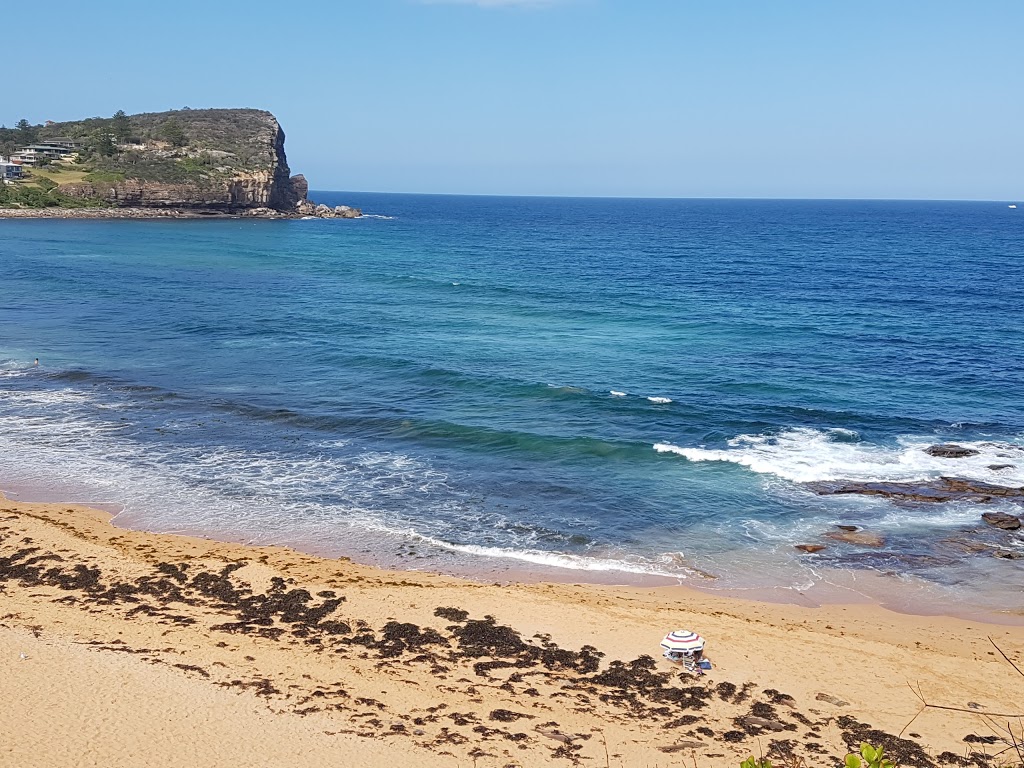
point(683, 640)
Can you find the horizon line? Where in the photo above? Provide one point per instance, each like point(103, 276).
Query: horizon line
point(679, 197)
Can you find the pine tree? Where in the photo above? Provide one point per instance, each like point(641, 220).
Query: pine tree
point(105, 145)
point(27, 132)
point(121, 126)
point(174, 133)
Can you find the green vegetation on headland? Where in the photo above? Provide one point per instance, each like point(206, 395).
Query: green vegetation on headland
point(201, 155)
point(41, 192)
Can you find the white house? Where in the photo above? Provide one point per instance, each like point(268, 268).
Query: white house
point(46, 150)
point(9, 170)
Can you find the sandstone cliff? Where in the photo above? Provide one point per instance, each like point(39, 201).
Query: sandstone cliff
point(214, 160)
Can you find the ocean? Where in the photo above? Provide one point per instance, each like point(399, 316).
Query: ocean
point(628, 391)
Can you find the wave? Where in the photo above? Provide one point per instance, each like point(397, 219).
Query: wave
point(804, 455)
point(202, 487)
point(660, 400)
point(15, 373)
point(336, 495)
point(564, 560)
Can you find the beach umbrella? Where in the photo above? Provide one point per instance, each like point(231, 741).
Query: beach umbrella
point(683, 640)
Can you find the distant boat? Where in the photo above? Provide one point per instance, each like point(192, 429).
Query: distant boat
point(1013, 206)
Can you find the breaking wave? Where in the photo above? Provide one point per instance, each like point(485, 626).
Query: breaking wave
point(803, 455)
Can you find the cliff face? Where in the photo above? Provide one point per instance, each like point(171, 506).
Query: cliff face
point(259, 190)
point(215, 160)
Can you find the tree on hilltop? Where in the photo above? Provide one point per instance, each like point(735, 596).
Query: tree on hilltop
point(27, 133)
point(103, 144)
point(121, 126)
point(173, 133)
point(8, 140)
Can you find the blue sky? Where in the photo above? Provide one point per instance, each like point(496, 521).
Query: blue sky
point(750, 98)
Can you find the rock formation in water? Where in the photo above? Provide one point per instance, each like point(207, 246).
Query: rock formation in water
point(941, 490)
point(950, 451)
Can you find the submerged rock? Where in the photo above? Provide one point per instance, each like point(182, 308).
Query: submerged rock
point(943, 489)
point(997, 467)
point(950, 451)
point(1002, 520)
point(890, 563)
point(966, 546)
point(1008, 554)
point(811, 548)
point(860, 538)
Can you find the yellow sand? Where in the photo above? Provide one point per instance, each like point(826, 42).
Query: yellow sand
point(165, 670)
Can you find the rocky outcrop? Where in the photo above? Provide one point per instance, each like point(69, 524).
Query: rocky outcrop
point(811, 548)
point(300, 187)
point(950, 451)
point(321, 211)
point(999, 537)
point(1002, 520)
point(941, 490)
point(222, 161)
point(858, 537)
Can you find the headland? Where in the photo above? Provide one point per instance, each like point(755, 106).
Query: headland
point(185, 163)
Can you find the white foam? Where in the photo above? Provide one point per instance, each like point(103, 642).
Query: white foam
point(660, 399)
point(325, 498)
point(558, 559)
point(71, 443)
point(616, 393)
point(272, 498)
point(804, 455)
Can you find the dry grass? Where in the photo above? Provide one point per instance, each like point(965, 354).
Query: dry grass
point(59, 174)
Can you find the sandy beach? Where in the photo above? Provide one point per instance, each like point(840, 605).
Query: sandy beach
point(123, 648)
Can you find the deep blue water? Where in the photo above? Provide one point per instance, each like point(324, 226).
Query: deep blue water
point(435, 388)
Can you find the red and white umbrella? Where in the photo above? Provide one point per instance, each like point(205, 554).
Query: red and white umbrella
point(684, 641)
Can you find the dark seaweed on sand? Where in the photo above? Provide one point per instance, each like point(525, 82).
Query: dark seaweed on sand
point(500, 657)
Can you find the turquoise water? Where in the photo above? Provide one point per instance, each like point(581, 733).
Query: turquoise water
point(577, 388)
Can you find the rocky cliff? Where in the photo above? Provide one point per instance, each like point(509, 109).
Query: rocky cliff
point(209, 160)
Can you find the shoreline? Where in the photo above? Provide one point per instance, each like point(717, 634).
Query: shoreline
point(838, 587)
point(325, 657)
point(135, 213)
point(113, 213)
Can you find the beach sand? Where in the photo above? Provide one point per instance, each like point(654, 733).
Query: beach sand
point(123, 648)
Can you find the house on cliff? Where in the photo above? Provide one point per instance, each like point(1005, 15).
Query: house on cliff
point(52, 149)
point(10, 171)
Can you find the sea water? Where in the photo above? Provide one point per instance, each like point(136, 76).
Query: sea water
point(557, 388)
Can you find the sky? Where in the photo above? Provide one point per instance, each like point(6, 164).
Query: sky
point(645, 98)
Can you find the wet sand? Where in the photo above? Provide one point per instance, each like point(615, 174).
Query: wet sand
point(123, 648)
